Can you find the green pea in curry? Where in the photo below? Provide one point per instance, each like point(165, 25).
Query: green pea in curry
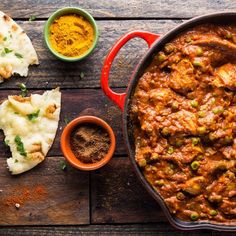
point(184, 116)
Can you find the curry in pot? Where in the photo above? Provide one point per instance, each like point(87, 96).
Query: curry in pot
point(184, 116)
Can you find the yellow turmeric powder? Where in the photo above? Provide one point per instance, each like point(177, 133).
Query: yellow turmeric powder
point(71, 35)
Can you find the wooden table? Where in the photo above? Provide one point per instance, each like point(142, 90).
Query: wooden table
point(110, 200)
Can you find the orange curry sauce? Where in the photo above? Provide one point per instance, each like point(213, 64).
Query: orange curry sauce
point(184, 114)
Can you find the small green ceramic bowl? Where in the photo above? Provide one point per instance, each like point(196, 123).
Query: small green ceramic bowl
point(66, 11)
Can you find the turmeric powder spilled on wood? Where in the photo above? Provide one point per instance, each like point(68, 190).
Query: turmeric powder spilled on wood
point(71, 35)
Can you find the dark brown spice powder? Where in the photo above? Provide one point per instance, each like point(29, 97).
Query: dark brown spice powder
point(90, 143)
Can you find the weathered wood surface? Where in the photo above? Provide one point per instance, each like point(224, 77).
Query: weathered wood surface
point(52, 73)
point(157, 229)
point(122, 8)
point(64, 199)
point(118, 197)
point(79, 102)
point(112, 194)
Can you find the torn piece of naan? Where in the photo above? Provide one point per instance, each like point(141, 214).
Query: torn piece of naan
point(16, 49)
point(29, 125)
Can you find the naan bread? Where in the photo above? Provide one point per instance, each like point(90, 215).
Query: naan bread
point(16, 49)
point(29, 125)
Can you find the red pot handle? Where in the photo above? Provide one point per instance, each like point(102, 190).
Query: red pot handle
point(119, 98)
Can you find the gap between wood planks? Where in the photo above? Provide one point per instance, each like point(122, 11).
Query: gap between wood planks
point(64, 89)
point(116, 18)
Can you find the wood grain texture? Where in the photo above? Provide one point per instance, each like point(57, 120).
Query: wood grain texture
point(116, 194)
point(52, 73)
point(78, 102)
point(157, 229)
point(65, 199)
point(122, 8)
point(118, 197)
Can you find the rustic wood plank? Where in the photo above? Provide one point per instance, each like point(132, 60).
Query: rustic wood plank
point(118, 197)
point(63, 196)
point(122, 8)
point(52, 72)
point(158, 229)
point(215, 233)
point(78, 102)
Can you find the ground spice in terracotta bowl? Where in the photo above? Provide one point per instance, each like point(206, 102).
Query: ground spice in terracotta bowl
point(89, 142)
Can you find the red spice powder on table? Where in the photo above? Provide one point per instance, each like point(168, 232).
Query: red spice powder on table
point(24, 194)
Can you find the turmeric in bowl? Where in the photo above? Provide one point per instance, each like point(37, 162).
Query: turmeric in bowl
point(71, 35)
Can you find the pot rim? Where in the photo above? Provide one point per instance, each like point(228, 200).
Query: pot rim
point(144, 62)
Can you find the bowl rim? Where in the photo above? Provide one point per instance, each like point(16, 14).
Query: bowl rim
point(64, 11)
point(65, 143)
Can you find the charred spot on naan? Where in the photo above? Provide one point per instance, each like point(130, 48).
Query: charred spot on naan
point(50, 111)
point(36, 147)
point(5, 71)
point(37, 156)
point(36, 152)
point(14, 27)
point(6, 18)
point(21, 99)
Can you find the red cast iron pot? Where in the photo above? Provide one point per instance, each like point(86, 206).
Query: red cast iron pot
point(155, 44)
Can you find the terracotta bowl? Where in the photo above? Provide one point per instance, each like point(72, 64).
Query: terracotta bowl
point(66, 147)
